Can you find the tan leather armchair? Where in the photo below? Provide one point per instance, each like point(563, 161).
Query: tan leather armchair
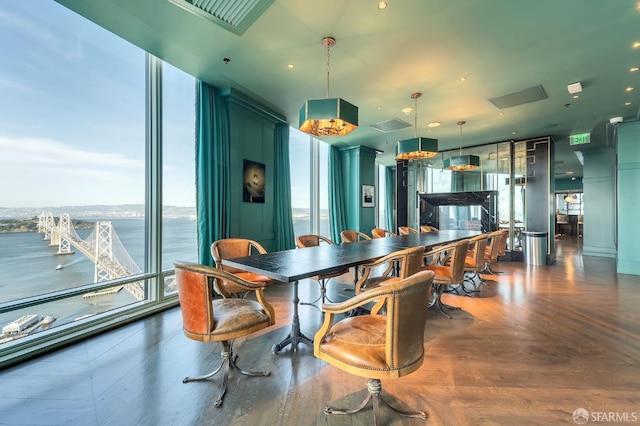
point(405, 230)
point(381, 233)
point(407, 261)
point(229, 248)
point(427, 228)
point(351, 236)
point(378, 346)
point(497, 244)
point(312, 240)
point(474, 262)
point(451, 273)
point(219, 320)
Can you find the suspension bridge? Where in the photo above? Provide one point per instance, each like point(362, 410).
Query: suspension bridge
point(102, 246)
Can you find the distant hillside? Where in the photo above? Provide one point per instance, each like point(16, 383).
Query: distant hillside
point(94, 212)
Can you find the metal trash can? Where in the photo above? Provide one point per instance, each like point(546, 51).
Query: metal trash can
point(535, 247)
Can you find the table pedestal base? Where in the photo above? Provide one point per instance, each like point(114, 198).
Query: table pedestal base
point(295, 336)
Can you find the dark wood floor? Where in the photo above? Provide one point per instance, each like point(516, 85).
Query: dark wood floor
point(530, 348)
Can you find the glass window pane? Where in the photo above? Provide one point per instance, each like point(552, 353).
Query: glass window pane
point(299, 162)
point(72, 114)
point(324, 189)
point(179, 233)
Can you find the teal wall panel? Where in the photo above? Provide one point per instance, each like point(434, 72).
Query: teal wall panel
point(599, 202)
point(569, 185)
point(252, 133)
point(628, 143)
point(358, 168)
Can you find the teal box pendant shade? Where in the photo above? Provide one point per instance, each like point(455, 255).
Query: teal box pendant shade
point(461, 163)
point(328, 117)
point(416, 148)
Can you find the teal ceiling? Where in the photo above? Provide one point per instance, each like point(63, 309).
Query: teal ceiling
point(501, 47)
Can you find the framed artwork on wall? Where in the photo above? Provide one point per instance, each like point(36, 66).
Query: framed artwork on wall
point(253, 180)
point(368, 196)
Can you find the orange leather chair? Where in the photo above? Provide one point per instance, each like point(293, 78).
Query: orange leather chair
point(350, 236)
point(405, 230)
point(377, 346)
point(451, 273)
point(229, 248)
point(405, 262)
point(497, 244)
point(220, 320)
point(474, 262)
point(427, 228)
point(312, 240)
point(381, 233)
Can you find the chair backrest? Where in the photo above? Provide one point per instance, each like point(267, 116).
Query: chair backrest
point(496, 239)
point(381, 233)
point(405, 230)
point(311, 240)
point(411, 261)
point(427, 228)
point(351, 236)
point(477, 247)
point(456, 264)
point(503, 243)
point(197, 305)
point(406, 317)
point(229, 248)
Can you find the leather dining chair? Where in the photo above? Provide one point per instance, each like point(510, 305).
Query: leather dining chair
point(377, 346)
point(427, 228)
point(474, 261)
point(451, 273)
point(350, 236)
point(405, 230)
point(402, 262)
point(311, 240)
point(229, 248)
point(206, 319)
point(497, 244)
point(381, 233)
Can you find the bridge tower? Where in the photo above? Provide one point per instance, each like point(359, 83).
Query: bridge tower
point(64, 229)
point(104, 250)
point(42, 223)
point(49, 225)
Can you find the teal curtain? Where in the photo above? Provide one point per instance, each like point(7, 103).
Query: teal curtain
point(337, 212)
point(282, 217)
point(212, 169)
point(389, 202)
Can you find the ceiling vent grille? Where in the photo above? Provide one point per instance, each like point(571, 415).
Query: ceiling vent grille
point(390, 125)
point(531, 94)
point(233, 15)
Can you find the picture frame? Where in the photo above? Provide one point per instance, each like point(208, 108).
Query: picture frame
point(253, 182)
point(368, 196)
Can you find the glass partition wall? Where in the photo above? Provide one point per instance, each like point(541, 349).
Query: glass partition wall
point(502, 174)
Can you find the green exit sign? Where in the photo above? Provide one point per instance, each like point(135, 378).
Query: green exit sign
point(580, 139)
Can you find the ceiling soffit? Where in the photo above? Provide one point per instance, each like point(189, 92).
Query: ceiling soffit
point(233, 15)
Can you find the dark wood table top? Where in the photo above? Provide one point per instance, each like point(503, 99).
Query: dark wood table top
point(296, 264)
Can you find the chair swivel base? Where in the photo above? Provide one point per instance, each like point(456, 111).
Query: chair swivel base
point(228, 362)
point(374, 387)
point(437, 301)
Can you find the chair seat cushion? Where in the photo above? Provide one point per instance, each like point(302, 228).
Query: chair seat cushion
point(441, 272)
point(357, 341)
point(233, 315)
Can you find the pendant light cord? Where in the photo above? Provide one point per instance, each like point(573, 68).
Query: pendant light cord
point(328, 56)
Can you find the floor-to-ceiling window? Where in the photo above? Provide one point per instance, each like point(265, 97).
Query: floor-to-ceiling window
point(77, 185)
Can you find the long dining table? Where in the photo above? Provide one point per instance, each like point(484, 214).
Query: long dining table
point(292, 265)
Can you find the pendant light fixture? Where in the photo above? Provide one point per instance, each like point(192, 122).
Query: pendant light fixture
point(416, 148)
point(461, 163)
point(330, 116)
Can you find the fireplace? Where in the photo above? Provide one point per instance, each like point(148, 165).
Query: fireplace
point(476, 210)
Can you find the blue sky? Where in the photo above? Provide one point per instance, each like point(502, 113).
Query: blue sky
point(72, 113)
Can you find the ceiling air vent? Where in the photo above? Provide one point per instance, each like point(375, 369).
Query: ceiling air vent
point(532, 94)
point(233, 15)
point(390, 125)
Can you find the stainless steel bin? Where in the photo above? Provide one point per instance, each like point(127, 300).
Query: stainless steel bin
point(535, 247)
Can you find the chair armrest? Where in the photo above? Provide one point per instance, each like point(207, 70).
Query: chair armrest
point(357, 300)
point(258, 247)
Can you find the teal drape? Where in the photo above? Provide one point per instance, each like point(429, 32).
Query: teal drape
point(212, 169)
point(389, 202)
point(282, 217)
point(337, 212)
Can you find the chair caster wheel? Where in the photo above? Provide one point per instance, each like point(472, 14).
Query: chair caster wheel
point(275, 348)
point(218, 403)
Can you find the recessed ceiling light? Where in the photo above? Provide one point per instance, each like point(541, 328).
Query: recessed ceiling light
point(576, 96)
point(407, 110)
point(434, 124)
point(628, 103)
point(513, 133)
point(629, 89)
point(573, 178)
point(463, 78)
point(636, 44)
point(382, 5)
point(378, 107)
point(634, 69)
point(501, 113)
point(289, 66)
